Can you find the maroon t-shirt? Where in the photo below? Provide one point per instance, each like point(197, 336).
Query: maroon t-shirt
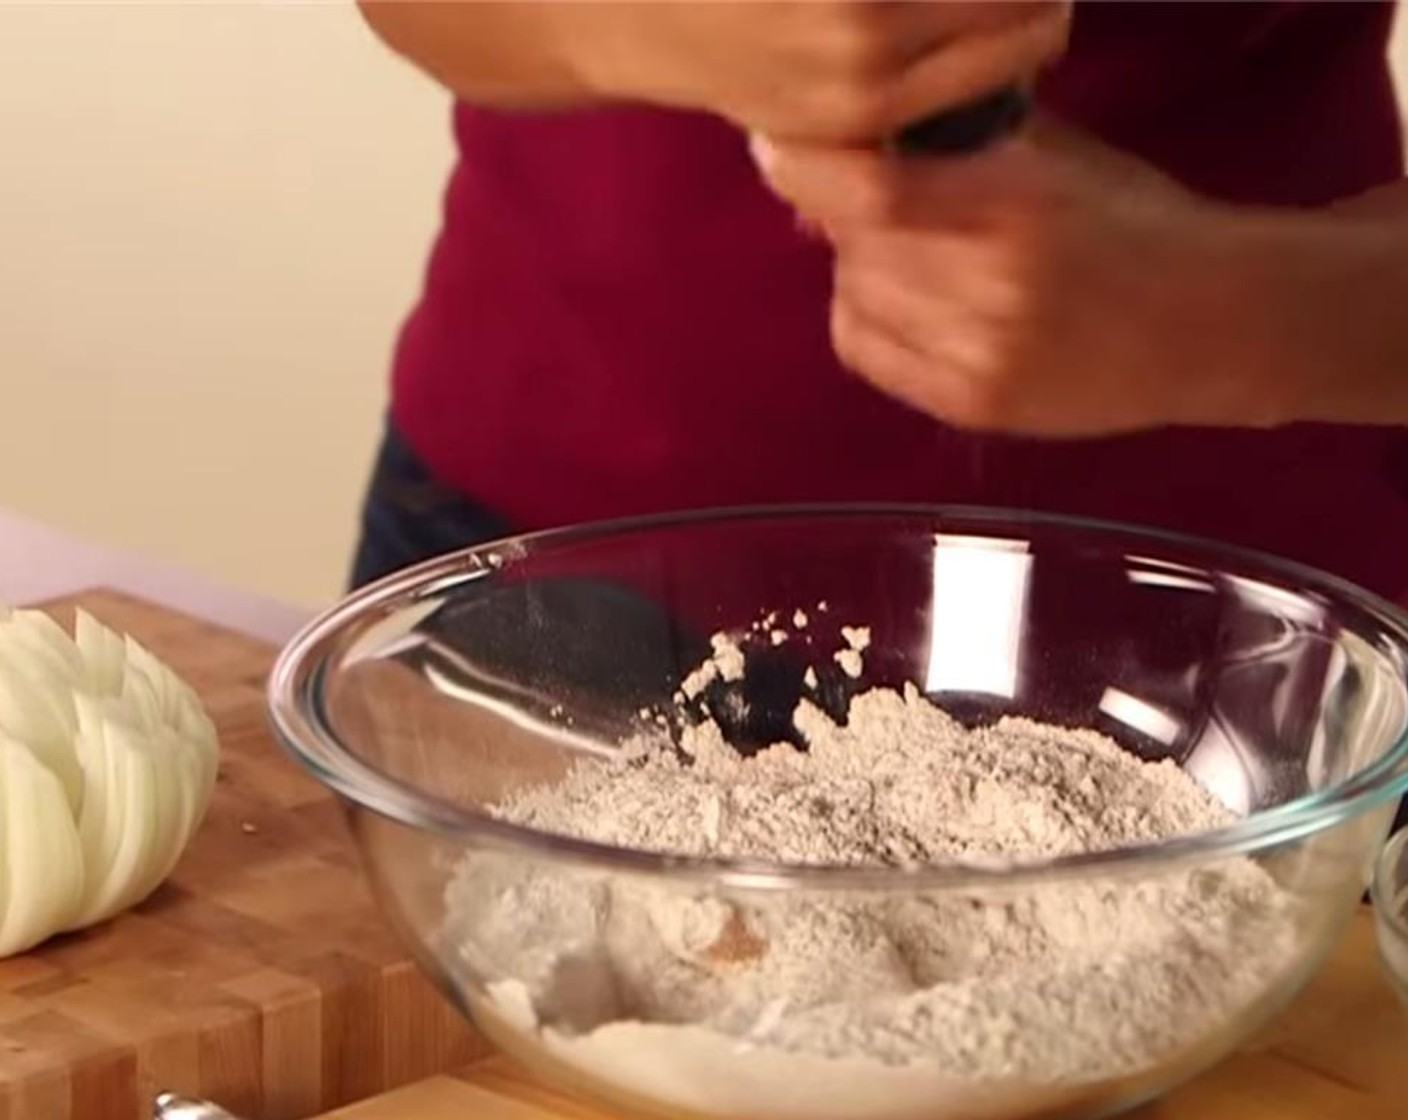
point(619, 318)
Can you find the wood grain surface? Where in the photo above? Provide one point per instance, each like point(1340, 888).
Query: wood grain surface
point(1341, 1051)
point(259, 976)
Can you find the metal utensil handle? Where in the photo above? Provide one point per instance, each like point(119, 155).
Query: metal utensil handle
point(968, 128)
point(169, 1106)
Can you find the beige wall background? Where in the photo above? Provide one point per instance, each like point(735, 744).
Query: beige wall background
point(212, 218)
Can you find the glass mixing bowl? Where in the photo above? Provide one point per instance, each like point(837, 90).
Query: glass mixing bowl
point(1391, 911)
point(426, 699)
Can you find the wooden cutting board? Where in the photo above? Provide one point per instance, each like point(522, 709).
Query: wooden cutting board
point(1340, 1051)
point(259, 976)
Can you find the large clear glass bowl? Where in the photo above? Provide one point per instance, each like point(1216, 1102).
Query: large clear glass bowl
point(427, 698)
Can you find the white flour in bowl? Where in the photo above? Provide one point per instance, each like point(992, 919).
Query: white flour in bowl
point(852, 1004)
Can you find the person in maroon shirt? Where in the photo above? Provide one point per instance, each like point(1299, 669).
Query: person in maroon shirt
point(620, 317)
point(681, 266)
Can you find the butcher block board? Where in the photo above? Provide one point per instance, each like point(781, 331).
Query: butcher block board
point(1340, 1051)
point(260, 975)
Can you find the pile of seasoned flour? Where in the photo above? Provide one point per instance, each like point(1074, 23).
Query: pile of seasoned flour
point(1071, 982)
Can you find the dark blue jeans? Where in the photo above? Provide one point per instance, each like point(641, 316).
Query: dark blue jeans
point(409, 516)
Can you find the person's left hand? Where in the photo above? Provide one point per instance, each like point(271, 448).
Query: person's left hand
point(1049, 286)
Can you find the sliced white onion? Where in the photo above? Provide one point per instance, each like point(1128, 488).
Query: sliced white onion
point(36, 707)
point(107, 765)
point(101, 651)
point(43, 862)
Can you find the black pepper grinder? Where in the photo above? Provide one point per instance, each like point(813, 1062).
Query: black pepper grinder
point(968, 128)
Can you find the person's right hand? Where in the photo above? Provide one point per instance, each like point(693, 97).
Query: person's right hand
point(826, 71)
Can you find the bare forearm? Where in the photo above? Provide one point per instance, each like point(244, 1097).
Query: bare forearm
point(1303, 314)
point(510, 54)
point(1335, 316)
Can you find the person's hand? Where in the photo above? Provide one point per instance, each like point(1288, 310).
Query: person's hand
point(1050, 286)
point(829, 71)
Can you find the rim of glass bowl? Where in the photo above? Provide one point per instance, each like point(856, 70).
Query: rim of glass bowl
point(299, 722)
point(1387, 895)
